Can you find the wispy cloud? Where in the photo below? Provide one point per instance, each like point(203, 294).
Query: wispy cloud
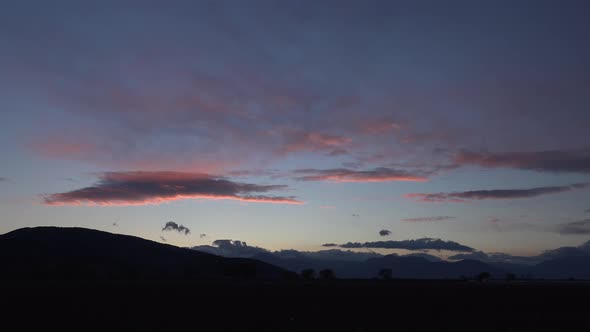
point(547, 161)
point(379, 126)
point(466, 196)
point(581, 227)
point(381, 174)
point(172, 226)
point(418, 244)
point(141, 188)
point(314, 141)
point(427, 219)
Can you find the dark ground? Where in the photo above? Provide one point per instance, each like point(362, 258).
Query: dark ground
point(341, 305)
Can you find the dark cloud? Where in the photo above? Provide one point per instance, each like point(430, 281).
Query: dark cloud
point(418, 244)
point(172, 226)
point(466, 196)
point(229, 248)
point(577, 161)
point(356, 215)
point(3, 179)
point(588, 210)
point(381, 174)
point(581, 227)
point(438, 218)
point(329, 245)
point(202, 236)
point(384, 232)
point(115, 224)
point(140, 188)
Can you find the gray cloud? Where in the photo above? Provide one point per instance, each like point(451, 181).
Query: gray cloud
point(581, 227)
point(337, 152)
point(384, 232)
point(202, 236)
point(2, 179)
point(163, 239)
point(381, 174)
point(172, 226)
point(230, 248)
point(418, 244)
point(438, 218)
point(577, 161)
point(329, 245)
point(141, 188)
point(466, 196)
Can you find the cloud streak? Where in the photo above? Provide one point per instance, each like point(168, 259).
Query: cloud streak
point(381, 174)
point(384, 232)
point(581, 227)
point(575, 161)
point(417, 244)
point(428, 219)
point(467, 196)
point(315, 141)
point(172, 226)
point(142, 188)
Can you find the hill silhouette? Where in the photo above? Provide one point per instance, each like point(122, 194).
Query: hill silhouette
point(52, 253)
point(408, 267)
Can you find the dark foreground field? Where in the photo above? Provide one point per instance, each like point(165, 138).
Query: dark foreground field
point(298, 306)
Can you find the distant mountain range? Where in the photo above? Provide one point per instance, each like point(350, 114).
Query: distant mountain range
point(401, 266)
point(561, 263)
point(77, 253)
point(49, 253)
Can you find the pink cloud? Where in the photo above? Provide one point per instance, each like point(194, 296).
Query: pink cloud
point(152, 188)
point(382, 126)
point(549, 161)
point(314, 141)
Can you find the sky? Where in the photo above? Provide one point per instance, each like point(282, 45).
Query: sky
point(291, 124)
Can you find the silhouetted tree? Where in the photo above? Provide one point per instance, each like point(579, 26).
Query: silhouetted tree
point(327, 274)
point(308, 274)
point(386, 274)
point(483, 276)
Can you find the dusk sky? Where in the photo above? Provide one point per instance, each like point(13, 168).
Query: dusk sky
point(291, 124)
